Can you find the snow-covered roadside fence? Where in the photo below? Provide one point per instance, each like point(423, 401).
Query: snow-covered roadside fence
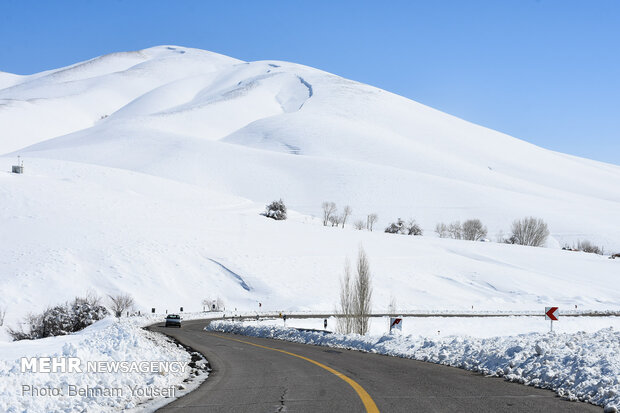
point(580, 366)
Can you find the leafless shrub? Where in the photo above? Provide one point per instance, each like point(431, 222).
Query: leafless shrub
point(334, 220)
point(529, 231)
point(359, 224)
point(371, 220)
point(473, 230)
point(413, 228)
point(441, 230)
point(120, 303)
point(346, 213)
point(397, 227)
point(329, 209)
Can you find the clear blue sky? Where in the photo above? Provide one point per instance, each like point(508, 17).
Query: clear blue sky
point(544, 71)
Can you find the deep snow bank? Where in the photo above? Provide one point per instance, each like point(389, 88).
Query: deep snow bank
point(580, 366)
point(105, 341)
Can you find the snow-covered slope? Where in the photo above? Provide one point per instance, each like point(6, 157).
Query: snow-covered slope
point(145, 171)
point(174, 112)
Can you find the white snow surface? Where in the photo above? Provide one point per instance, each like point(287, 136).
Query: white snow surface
point(106, 340)
point(579, 366)
point(146, 171)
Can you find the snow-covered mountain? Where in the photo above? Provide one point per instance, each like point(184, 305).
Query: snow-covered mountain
point(146, 170)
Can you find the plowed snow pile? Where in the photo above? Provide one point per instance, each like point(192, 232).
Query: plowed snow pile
point(580, 366)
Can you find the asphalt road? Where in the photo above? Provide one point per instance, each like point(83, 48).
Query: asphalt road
point(262, 375)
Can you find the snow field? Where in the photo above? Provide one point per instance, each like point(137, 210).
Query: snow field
point(75, 227)
point(579, 366)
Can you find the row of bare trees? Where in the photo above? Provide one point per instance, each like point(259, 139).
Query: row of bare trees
point(335, 219)
point(472, 230)
point(585, 246)
point(214, 305)
point(528, 231)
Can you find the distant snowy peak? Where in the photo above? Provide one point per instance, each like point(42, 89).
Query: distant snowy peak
point(57, 102)
point(8, 79)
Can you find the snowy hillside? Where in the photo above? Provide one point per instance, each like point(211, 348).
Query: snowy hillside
point(146, 172)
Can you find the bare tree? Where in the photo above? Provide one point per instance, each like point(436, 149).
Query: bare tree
point(345, 310)
point(329, 209)
point(455, 230)
point(473, 230)
point(346, 213)
point(500, 237)
point(92, 298)
point(371, 220)
point(2, 314)
point(529, 231)
point(362, 292)
point(359, 224)
point(441, 230)
point(120, 303)
point(355, 305)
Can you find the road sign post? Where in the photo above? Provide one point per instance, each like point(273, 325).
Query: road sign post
point(552, 314)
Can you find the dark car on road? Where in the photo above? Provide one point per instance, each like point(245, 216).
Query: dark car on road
point(173, 320)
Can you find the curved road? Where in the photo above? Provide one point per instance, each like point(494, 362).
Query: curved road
point(263, 375)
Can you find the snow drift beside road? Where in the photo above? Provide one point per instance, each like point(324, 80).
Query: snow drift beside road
point(580, 366)
point(106, 340)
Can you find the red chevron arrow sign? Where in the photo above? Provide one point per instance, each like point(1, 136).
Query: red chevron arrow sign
point(551, 313)
point(396, 323)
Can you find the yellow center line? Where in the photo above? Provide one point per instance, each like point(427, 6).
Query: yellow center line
point(369, 403)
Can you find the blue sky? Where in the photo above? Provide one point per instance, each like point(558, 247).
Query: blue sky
point(544, 71)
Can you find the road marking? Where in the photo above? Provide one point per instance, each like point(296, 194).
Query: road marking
point(369, 403)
